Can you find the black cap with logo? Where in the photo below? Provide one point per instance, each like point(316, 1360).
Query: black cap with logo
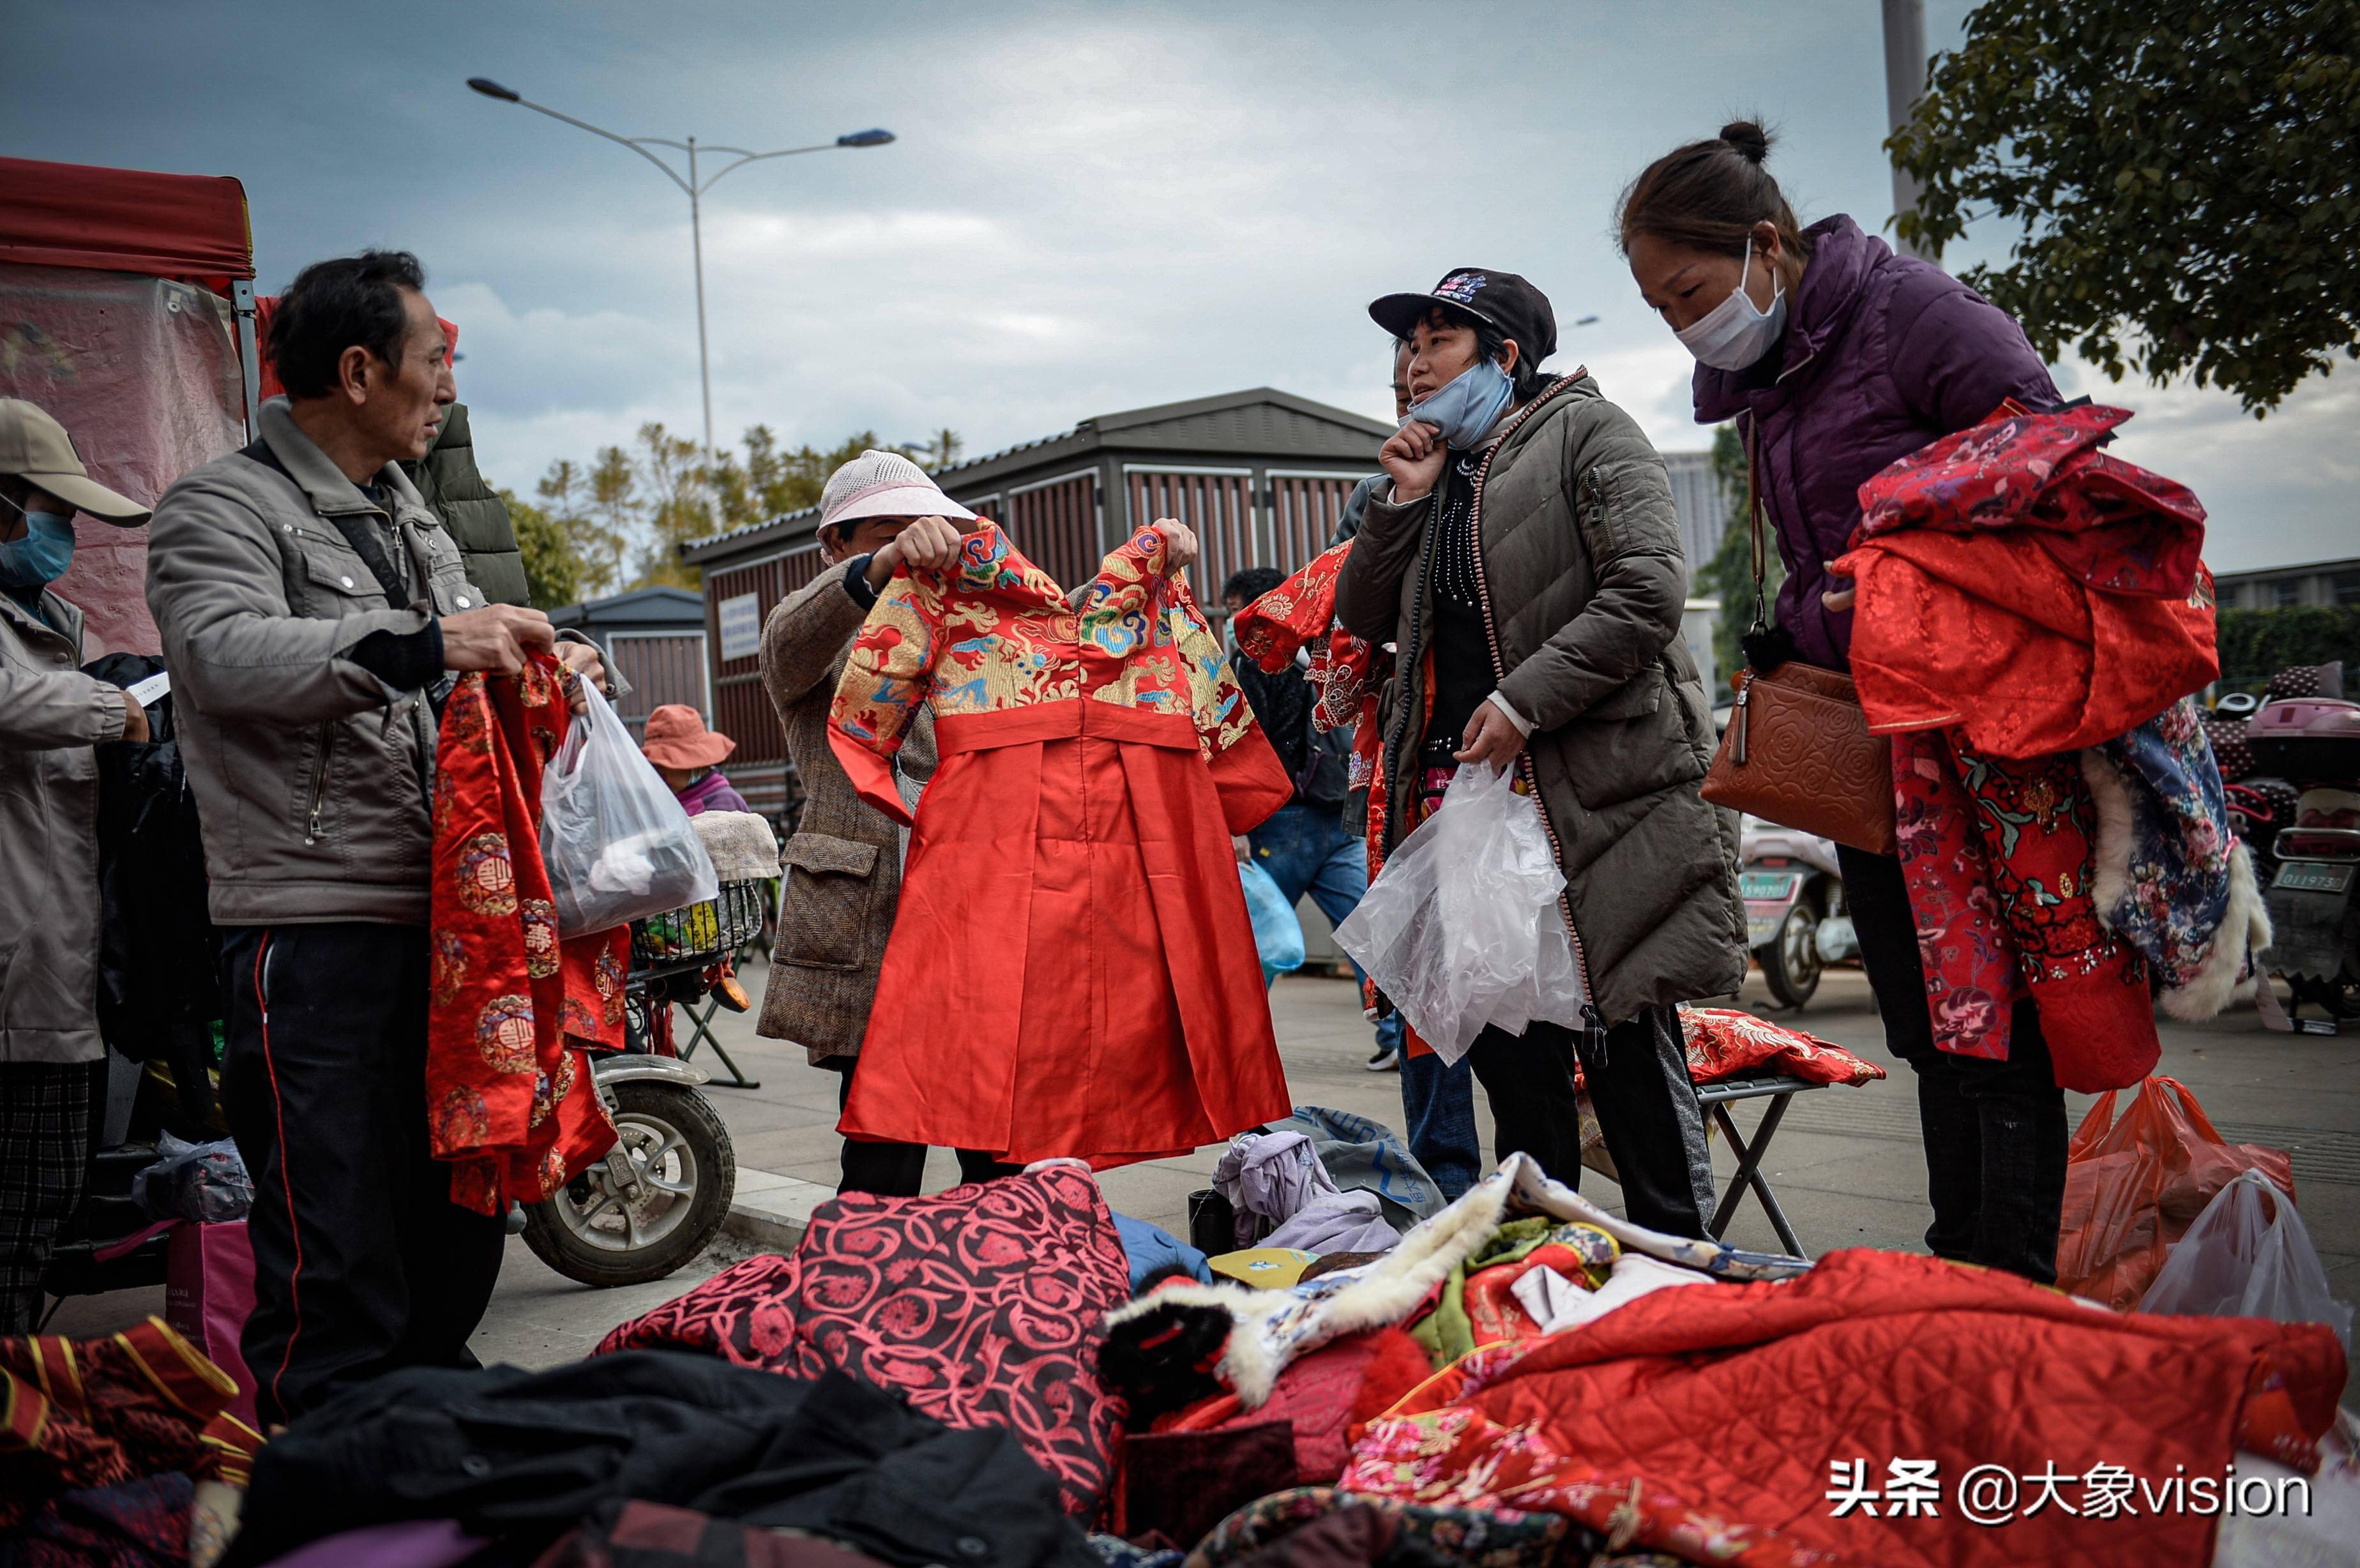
point(1501, 298)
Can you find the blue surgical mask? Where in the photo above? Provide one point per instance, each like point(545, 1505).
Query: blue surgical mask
point(41, 557)
point(1466, 409)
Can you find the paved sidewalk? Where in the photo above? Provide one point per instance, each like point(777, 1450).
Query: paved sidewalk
point(1848, 1164)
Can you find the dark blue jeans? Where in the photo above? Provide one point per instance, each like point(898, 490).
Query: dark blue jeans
point(1306, 850)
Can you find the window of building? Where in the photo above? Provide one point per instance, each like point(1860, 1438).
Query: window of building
point(2347, 587)
point(2285, 591)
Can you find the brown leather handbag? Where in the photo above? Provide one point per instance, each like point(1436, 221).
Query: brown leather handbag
point(1798, 751)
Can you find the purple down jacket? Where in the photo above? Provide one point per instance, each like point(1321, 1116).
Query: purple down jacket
point(1883, 354)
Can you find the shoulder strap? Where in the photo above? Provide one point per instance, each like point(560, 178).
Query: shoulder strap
point(1754, 525)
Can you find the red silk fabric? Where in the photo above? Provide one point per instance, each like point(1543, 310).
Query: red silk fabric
point(510, 1099)
point(2019, 584)
point(1072, 970)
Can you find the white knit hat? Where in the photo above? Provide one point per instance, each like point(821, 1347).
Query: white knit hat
point(883, 484)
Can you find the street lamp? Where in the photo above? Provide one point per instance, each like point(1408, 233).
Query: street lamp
point(695, 189)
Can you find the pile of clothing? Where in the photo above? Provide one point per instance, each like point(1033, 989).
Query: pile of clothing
point(2033, 616)
point(104, 1444)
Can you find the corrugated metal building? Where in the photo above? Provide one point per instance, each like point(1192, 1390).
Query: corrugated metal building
point(1261, 475)
point(655, 637)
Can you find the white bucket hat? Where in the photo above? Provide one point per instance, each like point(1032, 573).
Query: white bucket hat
point(883, 484)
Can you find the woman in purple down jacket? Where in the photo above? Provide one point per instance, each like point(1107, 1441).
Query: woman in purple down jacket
point(1837, 357)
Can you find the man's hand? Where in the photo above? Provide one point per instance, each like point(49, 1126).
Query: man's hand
point(581, 658)
point(1244, 847)
point(930, 544)
point(135, 719)
point(1492, 738)
point(495, 638)
point(1180, 541)
point(1839, 600)
point(1414, 457)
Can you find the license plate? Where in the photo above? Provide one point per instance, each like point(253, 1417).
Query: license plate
point(2310, 876)
point(1767, 884)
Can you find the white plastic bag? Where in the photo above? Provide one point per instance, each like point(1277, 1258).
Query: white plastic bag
point(2248, 1256)
point(616, 840)
point(1462, 929)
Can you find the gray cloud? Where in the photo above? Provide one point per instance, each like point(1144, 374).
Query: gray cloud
point(1092, 207)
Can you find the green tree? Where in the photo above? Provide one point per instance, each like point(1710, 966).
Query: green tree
point(554, 573)
point(2182, 171)
point(677, 509)
point(937, 451)
point(596, 547)
point(2257, 644)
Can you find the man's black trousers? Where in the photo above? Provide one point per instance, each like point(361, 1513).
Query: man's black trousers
point(361, 1261)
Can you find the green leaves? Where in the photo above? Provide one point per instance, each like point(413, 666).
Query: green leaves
point(2183, 172)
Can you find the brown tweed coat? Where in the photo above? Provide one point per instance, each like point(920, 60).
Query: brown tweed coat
point(844, 863)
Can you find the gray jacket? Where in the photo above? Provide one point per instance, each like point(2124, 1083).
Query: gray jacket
point(844, 863)
point(313, 777)
point(1584, 582)
point(50, 716)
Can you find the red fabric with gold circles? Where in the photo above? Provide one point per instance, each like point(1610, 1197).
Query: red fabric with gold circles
point(509, 1101)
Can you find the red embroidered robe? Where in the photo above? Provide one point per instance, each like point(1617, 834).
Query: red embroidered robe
point(1072, 970)
point(509, 1095)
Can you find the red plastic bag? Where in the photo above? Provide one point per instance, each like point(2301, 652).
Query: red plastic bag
point(209, 1293)
point(2133, 1187)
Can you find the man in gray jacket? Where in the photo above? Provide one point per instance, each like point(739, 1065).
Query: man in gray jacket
point(313, 611)
point(52, 717)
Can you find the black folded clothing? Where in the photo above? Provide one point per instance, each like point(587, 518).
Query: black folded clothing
point(523, 1457)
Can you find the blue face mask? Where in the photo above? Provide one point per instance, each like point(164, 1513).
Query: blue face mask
point(41, 557)
point(1466, 409)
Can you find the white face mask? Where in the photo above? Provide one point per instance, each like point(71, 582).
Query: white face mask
point(1733, 334)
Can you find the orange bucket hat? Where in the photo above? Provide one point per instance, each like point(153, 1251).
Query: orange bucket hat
point(676, 738)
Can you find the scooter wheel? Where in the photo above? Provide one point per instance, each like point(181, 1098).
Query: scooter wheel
point(688, 1175)
point(1790, 960)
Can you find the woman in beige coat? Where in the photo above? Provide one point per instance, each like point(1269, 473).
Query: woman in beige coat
point(51, 717)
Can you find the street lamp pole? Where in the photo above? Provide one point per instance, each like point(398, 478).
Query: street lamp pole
point(694, 188)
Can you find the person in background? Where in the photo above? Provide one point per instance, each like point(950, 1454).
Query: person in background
point(51, 718)
point(1527, 561)
point(1437, 1096)
point(1305, 847)
point(843, 864)
point(689, 756)
point(311, 609)
point(1836, 356)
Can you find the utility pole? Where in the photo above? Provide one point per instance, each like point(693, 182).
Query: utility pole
point(1905, 83)
point(694, 188)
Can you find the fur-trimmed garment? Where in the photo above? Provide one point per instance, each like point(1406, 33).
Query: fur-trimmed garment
point(2171, 878)
point(1266, 1330)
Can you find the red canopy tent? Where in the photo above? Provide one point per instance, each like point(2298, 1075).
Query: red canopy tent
point(126, 311)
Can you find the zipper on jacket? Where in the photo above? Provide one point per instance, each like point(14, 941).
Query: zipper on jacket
point(1525, 758)
point(320, 783)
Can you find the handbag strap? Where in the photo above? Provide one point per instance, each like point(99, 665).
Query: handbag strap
point(1754, 527)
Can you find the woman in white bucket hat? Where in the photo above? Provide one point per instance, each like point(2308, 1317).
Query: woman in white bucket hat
point(844, 862)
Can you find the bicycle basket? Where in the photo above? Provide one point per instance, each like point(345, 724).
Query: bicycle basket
point(723, 923)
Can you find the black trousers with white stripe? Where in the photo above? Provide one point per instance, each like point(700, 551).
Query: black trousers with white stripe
point(362, 1263)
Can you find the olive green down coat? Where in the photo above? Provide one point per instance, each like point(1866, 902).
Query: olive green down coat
point(1585, 581)
point(454, 489)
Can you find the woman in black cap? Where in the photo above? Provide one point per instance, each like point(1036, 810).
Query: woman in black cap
point(1528, 544)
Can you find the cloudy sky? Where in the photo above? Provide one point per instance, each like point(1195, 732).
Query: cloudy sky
point(1090, 207)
